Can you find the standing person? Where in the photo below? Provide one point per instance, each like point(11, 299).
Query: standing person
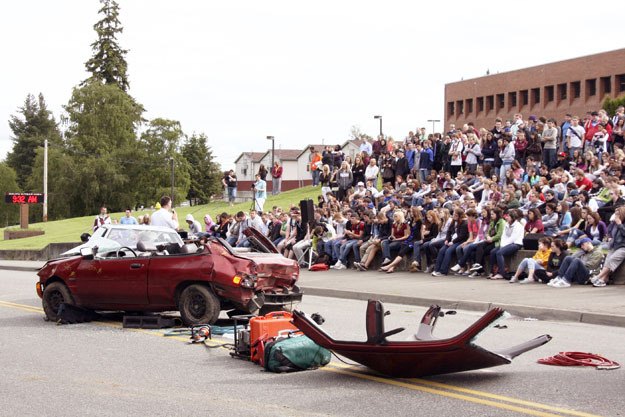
point(276, 178)
point(324, 179)
point(262, 171)
point(101, 219)
point(165, 216)
point(507, 155)
point(316, 164)
point(230, 182)
point(472, 151)
point(128, 218)
point(574, 136)
point(455, 154)
point(550, 142)
point(358, 170)
point(344, 179)
point(260, 193)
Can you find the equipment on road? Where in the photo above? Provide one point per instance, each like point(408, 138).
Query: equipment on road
point(425, 354)
point(580, 359)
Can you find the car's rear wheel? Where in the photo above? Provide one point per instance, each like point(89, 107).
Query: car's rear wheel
point(198, 305)
point(54, 295)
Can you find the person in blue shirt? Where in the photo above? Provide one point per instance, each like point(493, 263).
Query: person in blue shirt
point(128, 218)
point(260, 193)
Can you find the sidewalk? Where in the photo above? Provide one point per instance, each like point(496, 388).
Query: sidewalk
point(586, 304)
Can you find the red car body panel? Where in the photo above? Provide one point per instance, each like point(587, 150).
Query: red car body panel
point(415, 358)
point(152, 283)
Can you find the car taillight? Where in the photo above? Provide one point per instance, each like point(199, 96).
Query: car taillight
point(244, 280)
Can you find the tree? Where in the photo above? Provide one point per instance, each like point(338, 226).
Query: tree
point(158, 145)
point(9, 213)
point(355, 134)
point(31, 127)
point(108, 63)
point(205, 173)
point(610, 105)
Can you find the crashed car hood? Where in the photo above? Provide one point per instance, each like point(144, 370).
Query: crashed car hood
point(273, 265)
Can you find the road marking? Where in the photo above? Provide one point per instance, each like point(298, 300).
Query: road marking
point(21, 306)
point(413, 385)
point(416, 384)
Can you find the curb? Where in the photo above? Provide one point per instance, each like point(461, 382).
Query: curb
point(514, 309)
point(19, 268)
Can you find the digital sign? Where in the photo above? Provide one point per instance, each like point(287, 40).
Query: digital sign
point(23, 198)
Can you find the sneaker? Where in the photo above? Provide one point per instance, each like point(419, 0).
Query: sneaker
point(437, 274)
point(429, 269)
point(513, 280)
point(599, 283)
point(414, 266)
point(386, 261)
point(527, 281)
point(562, 283)
point(497, 276)
point(475, 267)
point(339, 265)
point(465, 273)
point(475, 274)
point(356, 265)
point(455, 268)
point(553, 281)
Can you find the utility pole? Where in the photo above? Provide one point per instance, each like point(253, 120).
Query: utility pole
point(171, 158)
point(45, 180)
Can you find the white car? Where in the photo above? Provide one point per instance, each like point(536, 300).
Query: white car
point(110, 237)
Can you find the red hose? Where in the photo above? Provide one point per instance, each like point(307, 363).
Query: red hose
point(579, 359)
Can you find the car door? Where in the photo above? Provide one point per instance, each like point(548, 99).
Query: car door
point(112, 282)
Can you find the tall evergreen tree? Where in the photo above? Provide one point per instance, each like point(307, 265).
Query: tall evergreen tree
point(205, 173)
point(30, 127)
point(108, 63)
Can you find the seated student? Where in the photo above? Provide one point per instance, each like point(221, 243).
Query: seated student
point(616, 255)
point(380, 230)
point(416, 223)
point(432, 247)
point(578, 267)
point(400, 231)
point(534, 222)
point(550, 219)
point(429, 231)
point(595, 229)
point(511, 242)
point(558, 253)
point(538, 261)
point(457, 234)
point(468, 252)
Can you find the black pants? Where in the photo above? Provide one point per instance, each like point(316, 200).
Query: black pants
point(482, 251)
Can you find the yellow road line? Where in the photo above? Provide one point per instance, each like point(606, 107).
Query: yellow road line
point(415, 387)
point(21, 306)
point(416, 384)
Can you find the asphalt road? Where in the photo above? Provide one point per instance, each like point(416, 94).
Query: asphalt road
point(101, 369)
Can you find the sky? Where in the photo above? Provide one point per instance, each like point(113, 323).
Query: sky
point(303, 72)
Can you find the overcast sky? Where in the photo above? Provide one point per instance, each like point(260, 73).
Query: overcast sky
point(304, 72)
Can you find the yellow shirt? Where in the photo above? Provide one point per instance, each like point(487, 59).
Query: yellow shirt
point(542, 256)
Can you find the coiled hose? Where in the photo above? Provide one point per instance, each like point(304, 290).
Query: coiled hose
point(580, 359)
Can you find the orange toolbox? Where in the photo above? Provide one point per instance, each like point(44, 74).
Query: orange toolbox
point(266, 327)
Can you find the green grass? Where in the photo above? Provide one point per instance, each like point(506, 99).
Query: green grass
point(69, 230)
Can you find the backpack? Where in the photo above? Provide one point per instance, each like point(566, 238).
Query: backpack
point(293, 354)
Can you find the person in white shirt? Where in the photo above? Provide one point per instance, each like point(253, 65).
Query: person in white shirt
point(163, 216)
point(371, 173)
point(511, 242)
point(574, 136)
point(103, 218)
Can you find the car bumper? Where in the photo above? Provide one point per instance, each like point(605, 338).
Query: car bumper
point(294, 296)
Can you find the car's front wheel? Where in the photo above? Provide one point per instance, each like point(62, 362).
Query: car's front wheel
point(198, 305)
point(54, 295)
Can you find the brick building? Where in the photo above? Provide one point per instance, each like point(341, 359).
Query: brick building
point(572, 86)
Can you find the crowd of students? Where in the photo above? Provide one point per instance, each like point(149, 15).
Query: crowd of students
point(466, 200)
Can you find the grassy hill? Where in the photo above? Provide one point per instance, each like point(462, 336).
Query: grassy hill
point(69, 230)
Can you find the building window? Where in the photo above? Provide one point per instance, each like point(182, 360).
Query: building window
point(562, 91)
point(512, 103)
point(244, 171)
point(576, 89)
point(459, 107)
point(490, 103)
point(501, 102)
point(535, 95)
point(620, 83)
point(591, 88)
point(469, 105)
point(525, 98)
point(549, 93)
point(450, 108)
point(606, 85)
point(480, 104)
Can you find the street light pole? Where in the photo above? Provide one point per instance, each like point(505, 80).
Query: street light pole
point(380, 118)
point(171, 159)
point(434, 121)
point(273, 150)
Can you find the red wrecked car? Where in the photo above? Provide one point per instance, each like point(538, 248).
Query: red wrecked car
point(150, 269)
